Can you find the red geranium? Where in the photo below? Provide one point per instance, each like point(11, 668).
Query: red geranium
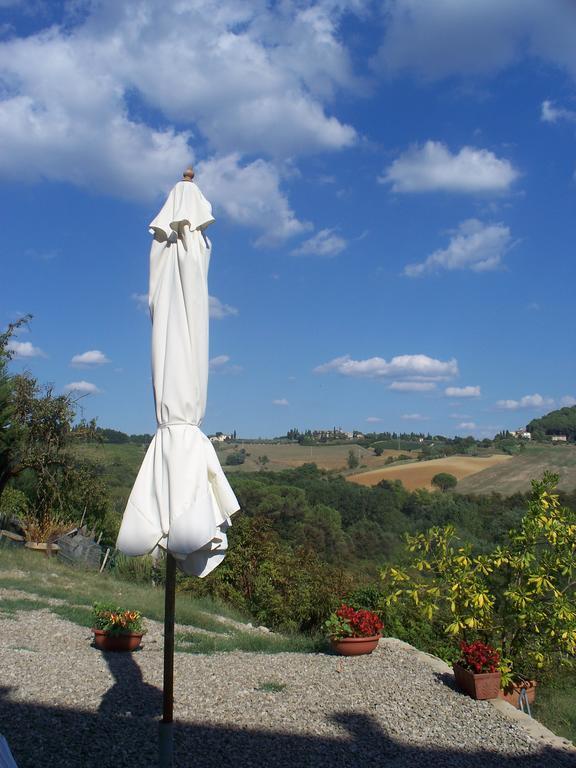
point(362, 623)
point(479, 657)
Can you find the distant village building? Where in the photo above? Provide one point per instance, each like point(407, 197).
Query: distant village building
point(559, 438)
point(219, 437)
point(522, 434)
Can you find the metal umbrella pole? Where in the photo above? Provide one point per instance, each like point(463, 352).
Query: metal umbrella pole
point(167, 724)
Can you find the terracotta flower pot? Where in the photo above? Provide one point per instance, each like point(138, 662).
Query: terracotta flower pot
point(511, 693)
point(354, 646)
point(483, 686)
point(127, 641)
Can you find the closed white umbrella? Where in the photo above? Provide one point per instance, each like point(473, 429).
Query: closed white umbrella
point(181, 500)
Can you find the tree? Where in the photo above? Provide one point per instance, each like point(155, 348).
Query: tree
point(9, 431)
point(352, 460)
point(262, 461)
point(520, 597)
point(444, 481)
point(378, 450)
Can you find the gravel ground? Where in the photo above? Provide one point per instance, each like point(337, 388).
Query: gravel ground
point(65, 704)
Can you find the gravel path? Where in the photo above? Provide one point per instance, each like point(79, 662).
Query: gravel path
point(65, 704)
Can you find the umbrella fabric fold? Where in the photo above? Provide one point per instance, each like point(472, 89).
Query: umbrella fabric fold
point(181, 500)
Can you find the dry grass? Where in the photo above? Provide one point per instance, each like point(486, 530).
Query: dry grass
point(282, 456)
point(420, 474)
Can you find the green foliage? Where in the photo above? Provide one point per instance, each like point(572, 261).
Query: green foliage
point(285, 589)
point(352, 460)
point(444, 481)
point(13, 504)
point(560, 422)
point(235, 458)
point(520, 596)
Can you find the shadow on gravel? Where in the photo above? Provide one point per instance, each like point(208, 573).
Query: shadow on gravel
point(71, 738)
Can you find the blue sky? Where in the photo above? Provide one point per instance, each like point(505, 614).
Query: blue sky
point(394, 189)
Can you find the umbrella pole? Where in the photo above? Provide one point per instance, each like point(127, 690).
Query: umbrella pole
point(167, 724)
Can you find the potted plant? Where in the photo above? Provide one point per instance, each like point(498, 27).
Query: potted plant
point(116, 629)
point(478, 670)
point(353, 632)
point(41, 532)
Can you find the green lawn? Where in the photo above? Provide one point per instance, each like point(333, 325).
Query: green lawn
point(39, 577)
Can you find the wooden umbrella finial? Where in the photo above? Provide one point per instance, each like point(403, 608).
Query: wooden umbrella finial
point(188, 174)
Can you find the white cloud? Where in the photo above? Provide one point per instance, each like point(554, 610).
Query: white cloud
point(251, 78)
point(83, 387)
point(551, 114)
point(567, 401)
point(373, 419)
point(451, 37)
point(433, 167)
point(474, 245)
point(415, 417)
point(250, 196)
point(220, 364)
point(281, 401)
point(462, 391)
point(415, 367)
point(412, 386)
point(218, 310)
point(24, 349)
point(141, 300)
point(92, 357)
point(467, 425)
point(528, 401)
point(323, 243)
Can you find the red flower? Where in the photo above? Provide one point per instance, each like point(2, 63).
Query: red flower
point(362, 623)
point(479, 657)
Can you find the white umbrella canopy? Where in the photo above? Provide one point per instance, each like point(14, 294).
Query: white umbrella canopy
point(181, 500)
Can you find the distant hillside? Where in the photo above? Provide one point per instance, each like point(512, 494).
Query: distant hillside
point(560, 422)
point(515, 475)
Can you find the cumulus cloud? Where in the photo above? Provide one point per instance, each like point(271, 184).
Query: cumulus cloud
point(24, 349)
point(449, 37)
point(250, 195)
point(323, 243)
point(90, 358)
point(467, 425)
point(474, 245)
point(462, 391)
point(419, 368)
point(82, 387)
point(373, 419)
point(551, 114)
point(528, 401)
point(415, 417)
point(81, 116)
point(141, 300)
point(218, 310)
point(567, 401)
point(220, 364)
point(280, 401)
point(433, 167)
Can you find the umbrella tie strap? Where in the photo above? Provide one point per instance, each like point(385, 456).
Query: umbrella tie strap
point(177, 424)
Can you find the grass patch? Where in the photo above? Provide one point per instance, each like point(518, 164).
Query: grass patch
point(250, 642)
point(271, 687)
point(554, 705)
point(77, 614)
point(52, 578)
point(12, 606)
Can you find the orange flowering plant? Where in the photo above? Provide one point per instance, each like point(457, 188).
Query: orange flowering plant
point(116, 621)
